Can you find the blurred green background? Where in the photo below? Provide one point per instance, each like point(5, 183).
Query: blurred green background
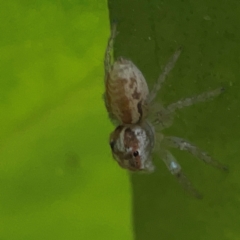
point(57, 176)
point(150, 31)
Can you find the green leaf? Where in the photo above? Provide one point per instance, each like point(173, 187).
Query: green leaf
point(57, 176)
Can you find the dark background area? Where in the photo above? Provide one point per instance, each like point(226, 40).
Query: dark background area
point(149, 33)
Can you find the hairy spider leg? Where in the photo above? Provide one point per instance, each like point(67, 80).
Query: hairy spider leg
point(186, 102)
point(167, 68)
point(164, 116)
point(183, 144)
point(176, 170)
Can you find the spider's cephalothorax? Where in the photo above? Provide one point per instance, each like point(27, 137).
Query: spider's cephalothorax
point(131, 106)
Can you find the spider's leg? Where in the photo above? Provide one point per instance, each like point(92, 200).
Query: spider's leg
point(182, 144)
point(107, 59)
point(174, 167)
point(168, 67)
point(195, 99)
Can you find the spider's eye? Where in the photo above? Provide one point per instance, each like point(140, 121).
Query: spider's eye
point(135, 154)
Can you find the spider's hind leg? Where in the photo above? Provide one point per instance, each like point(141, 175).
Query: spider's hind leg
point(167, 68)
point(195, 99)
point(182, 144)
point(174, 167)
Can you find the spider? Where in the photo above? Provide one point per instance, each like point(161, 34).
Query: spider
point(132, 109)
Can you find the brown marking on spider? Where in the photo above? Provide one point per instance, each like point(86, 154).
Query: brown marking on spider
point(132, 81)
point(136, 95)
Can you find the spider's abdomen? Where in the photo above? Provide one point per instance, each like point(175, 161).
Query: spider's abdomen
point(126, 92)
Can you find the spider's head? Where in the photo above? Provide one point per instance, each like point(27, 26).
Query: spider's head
point(132, 147)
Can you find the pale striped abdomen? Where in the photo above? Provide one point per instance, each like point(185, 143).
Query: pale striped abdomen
point(126, 92)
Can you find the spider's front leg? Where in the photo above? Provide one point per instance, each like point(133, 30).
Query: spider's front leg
point(175, 169)
point(107, 59)
point(182, 144)
point(195, 99)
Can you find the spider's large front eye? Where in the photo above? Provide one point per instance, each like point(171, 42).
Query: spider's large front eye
point(135, 154)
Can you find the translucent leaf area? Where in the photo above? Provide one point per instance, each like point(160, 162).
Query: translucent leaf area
point(57, 176)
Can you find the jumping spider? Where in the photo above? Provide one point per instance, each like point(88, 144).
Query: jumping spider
point(131, 107)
